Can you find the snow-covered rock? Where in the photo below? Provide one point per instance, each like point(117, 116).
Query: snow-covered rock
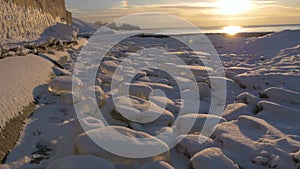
point(249, 99)
point(194, 123)
point(192, 144)
point(63, 84)
point(281, 94)
point(61, 31)
point(249, 137)
point(90, 123)
point(124, 143)
point(80, 162)
point(233, 111)
point(84, 27)
point(142, 111)
point(157, 165)
point(212, 158)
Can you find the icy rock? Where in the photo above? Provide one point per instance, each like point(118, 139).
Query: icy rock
point(69, 98)
point(61, 31)
point(260, 160)
point(212, 158)
point(140, 90)
point(87, 107)
point(108, 67)
point(249, 99)
point(233, 111)
point(204, 90)
point(297, 157)
point(194, 123)
point(190, 105)
point(95, 92)
point(61, 72)
point(183, 82)
point(166, 103)
point(192, 144)
point(221, 83)
point(90, 123)
point(276, 108)
point(80, 162)
point(63, 84)
point(126, 140)
point(282, 94)
point(198, 71)
point(142, 111)
point(166, 134)
point(156, 73)
point(157, 165)
point(244, 137)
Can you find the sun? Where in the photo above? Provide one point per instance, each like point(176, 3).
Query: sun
point(232, 30)
point(232, 7)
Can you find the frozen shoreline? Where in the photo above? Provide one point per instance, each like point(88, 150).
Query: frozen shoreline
point(259, 129)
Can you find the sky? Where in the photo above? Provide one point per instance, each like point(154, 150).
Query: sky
point(202, 13)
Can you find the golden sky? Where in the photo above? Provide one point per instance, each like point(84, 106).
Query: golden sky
point(205, 13)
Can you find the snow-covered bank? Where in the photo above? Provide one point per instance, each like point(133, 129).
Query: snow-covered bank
point(19, 77)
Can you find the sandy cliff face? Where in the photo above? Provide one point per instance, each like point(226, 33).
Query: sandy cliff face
point(27, 19)
point(57, 8)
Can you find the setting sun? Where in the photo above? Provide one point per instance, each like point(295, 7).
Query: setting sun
point(231, 7)
point(232, 30)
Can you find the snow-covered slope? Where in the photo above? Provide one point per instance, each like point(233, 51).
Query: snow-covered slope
point(19, 77)
point(270, 45)
point(84, 27)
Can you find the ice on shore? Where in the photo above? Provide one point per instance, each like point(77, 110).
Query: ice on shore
point(212, 158)
point(259, 128)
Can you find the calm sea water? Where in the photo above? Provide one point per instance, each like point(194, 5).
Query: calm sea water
point(273, 28)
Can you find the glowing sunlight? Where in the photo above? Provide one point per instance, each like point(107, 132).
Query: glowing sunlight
point(232, 7)
point(232, 30)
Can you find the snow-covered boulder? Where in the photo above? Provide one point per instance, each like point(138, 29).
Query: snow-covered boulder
point(157, 165)
point(108, 67)
point(281, 94)
point(84, 27)
point(191, 144)
point(141, 90)
point(277, 108)
point(90, 123)
point(212, 158)
point(166, 103)
point(63, 84)
point(125, 142)
point(250, 137)
point(249, 99)
point(95, 92)
point(195, 122)
point(80, 162)
point(233, 111)
point(142, 111)
point(61, 72)
point(61, 31)
point(204, 90)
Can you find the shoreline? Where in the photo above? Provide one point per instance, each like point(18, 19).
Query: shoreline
point(11, 133)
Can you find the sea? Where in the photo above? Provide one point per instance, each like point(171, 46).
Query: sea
point(238, 29)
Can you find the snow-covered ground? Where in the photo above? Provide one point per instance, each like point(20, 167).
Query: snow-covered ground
point(259, 128)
